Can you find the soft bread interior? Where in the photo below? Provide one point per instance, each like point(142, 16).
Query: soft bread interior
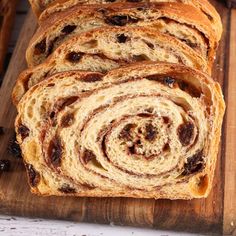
point(89, 134)
point(102, 50)
point(165, 18)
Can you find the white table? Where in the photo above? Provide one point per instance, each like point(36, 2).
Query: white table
point(16, 226)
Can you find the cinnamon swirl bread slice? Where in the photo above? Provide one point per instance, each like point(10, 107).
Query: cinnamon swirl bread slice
point(203, 5)
point(107, 48)
point(184, 22)
point(150, 130)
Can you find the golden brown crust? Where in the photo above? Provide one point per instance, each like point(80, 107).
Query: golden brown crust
point(197, 186)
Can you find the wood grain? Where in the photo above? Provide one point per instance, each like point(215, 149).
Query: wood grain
point(212, 215)
point(7, 13)
point(230, 161)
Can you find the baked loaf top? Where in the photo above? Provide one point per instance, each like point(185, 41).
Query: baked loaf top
point(149, 130)
point(182, 21)
point(106, 48)
point(203, 5)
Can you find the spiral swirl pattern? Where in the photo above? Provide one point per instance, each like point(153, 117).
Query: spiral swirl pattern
point(138, 131)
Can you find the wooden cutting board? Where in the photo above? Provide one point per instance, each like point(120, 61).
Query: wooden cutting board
point(214, 215)
point(7, 15)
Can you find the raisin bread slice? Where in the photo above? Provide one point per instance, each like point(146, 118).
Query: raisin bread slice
point(182, 21)
point(146, 131)
point(203, 5)
point(109, 47)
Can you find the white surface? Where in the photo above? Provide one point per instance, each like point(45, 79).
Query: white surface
point(15, 226)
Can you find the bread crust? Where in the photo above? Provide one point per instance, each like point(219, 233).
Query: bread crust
point(198, 185)
point(152, 14)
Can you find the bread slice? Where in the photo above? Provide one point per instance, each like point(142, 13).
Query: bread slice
point(106, 48)
point(182, 21)
point(203, 5)
point(150, 130)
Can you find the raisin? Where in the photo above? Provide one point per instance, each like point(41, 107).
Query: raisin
point(150, 45)
point(194, 164)
point(169, 81)
point(121, 38)
point(92, 78)
point(125, 132)
point(121, 20)
point(192, 45)
point(51, 85)
point(67, 120)
point(149, 110)
point(40, 47)
point(33, 175)
point(55, 152)
point(140, 8)
point(185, 133)
point(151, 132)
point(74, 56)
point(52, 115)
point(23, 131)
point(14, 148)
point(65, 188)
point(5, 165)
point(88, 155)
point(1, 130)
point(132, 150)
point(166, 119)
point(145, 115)
point(138, 142)
point(183, 85)
point(68, 29)
point(153, 77)
point(134, 0)
point(166, 147)
point(110, 0)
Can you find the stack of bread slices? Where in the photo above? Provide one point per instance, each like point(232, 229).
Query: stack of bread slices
point(118, 99)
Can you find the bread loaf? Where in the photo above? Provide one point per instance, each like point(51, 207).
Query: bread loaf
point(182, 21)
point(106, 48)
point(150, 130)
point(117, 100)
